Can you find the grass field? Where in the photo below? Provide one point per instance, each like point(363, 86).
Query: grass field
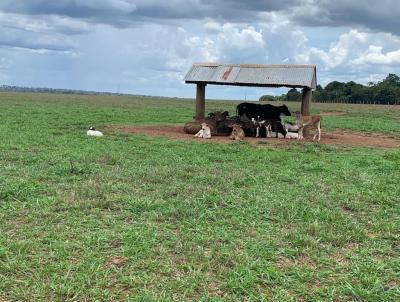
point(128, 217)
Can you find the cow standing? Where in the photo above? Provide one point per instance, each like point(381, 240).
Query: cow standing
point(266, 112)
point(263, 112)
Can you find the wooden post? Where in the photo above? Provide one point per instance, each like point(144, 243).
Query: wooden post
point(305, 107)
point(200, 100)
point(306, 100)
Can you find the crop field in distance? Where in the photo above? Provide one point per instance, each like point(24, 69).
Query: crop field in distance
point(130, 217)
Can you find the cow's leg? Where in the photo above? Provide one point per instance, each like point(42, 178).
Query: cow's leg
point(317, 132)
point(300, 132)
point(257, 131)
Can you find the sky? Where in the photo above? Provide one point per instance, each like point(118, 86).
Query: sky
point(146, 46)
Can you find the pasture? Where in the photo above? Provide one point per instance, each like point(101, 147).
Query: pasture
point(130, 217)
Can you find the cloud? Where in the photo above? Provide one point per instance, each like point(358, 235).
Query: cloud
point(355, 56)
point(41, 32)
point(72, 8)
point(12, 37)
point(147, 46)
point(212, 27)
point(354, 47)
point(371, 14)
point(374, 55)
point(374, 15)
point(44, 24)
point(113, 12)
point(224, 10)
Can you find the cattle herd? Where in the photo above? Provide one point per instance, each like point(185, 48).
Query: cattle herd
point(254, 120)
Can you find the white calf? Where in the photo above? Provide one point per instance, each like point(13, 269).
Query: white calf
point(93, 132)
point(204, 132)
point(290, 127)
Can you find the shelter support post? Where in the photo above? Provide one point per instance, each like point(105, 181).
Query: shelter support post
point(305, 108)
point(200, 100)
point(306, 100)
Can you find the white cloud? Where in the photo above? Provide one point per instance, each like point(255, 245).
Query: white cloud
point(148, 45)
point(241, 37)
point(10, 37)
point(338, 53)
point(374, 55)
point(44, 23)
point(41, 33)
point(212, 27)
point(354, 48)
point(126, 6)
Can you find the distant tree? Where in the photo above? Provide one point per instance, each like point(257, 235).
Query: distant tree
point(386, 91)
point(293, 95)
point(267, 98)
point(392, 79)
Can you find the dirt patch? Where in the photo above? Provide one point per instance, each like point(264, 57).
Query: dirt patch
point(114, 243)
point(359, 139)
point(331, 113)
point(300, 260)
point(329, 138)
point(394, 284)
point(116, 261)
point(338, 258)
point(347, 210)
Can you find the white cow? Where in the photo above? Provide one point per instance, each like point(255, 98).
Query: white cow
point(204, 132)
point(93, 132)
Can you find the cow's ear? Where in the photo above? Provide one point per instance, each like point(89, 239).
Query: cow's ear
point(226, 113)
point(211, 114)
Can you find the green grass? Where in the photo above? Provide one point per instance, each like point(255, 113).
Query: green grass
point(190, 221)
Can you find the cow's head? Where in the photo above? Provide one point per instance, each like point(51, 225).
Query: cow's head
point(218, 116)
point(285, 110)
point(204, 126)
point(241, 109)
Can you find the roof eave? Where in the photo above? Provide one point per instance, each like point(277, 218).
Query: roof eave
point(247, 84)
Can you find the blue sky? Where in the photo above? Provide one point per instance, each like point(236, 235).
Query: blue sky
point(147, 46)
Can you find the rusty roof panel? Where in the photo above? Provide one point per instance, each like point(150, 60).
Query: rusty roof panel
point(225, 74)
point(254, 75)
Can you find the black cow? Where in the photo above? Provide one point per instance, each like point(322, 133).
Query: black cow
point(262, 112)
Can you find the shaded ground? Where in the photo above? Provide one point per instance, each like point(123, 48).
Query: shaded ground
point(332, 138)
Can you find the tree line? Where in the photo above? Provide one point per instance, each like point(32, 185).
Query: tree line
point(385, 92)
point(9, 88)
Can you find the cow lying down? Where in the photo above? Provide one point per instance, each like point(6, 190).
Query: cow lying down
point(204, 132)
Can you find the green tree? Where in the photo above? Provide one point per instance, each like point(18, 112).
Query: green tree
point(293, 95)
point(267, 98)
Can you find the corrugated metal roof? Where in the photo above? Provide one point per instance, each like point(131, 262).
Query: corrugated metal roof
point(253, 75)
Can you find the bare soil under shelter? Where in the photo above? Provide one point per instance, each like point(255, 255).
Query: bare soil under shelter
point(331, 138)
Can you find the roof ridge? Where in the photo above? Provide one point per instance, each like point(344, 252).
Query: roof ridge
point(272, 75)
point(212, 64)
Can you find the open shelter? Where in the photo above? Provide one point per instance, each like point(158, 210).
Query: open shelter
point(293, 76)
